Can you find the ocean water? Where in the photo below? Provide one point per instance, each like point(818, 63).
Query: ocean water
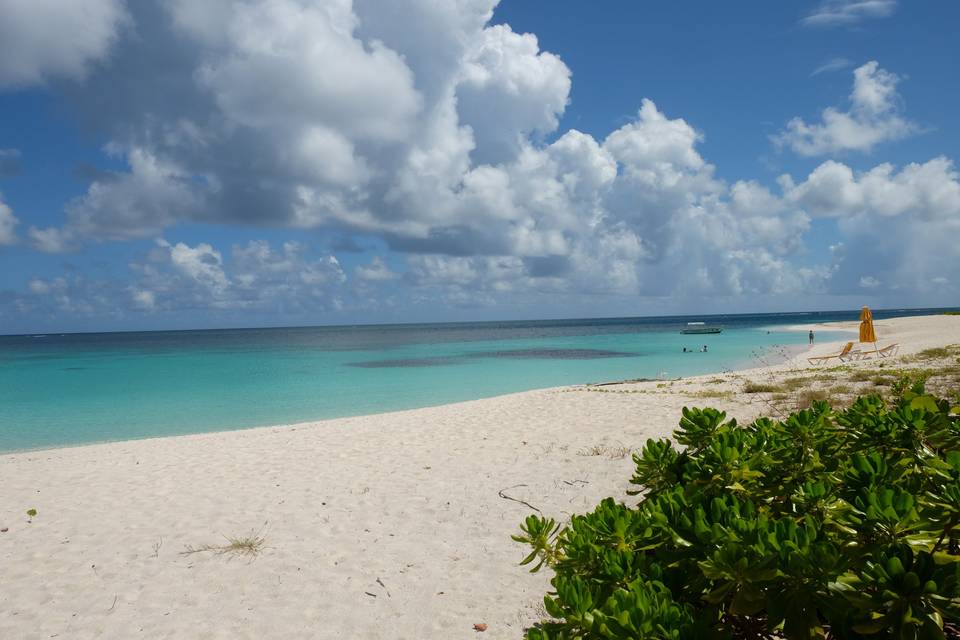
point(65, 389)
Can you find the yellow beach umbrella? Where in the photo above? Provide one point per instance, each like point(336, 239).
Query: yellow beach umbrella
point(867, 332)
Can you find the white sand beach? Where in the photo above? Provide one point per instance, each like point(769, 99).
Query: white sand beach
point(384, 526)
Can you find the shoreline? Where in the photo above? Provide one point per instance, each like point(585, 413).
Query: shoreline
point(746, 365)
point(389, 525)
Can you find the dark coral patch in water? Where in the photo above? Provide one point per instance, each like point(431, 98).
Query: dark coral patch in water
point(401, 363)
point(522, 354)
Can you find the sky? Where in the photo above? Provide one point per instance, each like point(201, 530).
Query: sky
point(168, 164)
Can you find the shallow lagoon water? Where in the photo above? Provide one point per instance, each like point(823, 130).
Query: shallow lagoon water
point(58, 390)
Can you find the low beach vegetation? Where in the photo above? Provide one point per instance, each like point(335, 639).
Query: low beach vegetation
point(710, 393)
point(936, 352)
point(827, 523)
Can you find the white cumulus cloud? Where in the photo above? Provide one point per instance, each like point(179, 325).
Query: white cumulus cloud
point(144, 299)
point(508, 90)
point(376, 271)
point(44, 39)
point(898, 225)
point(250, 277)
point(51, 239)
point(875, 116)
point(419, 128)
point(203, 264)
point(918, 192)
point(8, 223)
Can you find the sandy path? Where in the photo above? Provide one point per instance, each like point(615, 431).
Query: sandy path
point(407, 498)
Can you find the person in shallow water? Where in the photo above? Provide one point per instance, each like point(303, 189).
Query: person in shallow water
point(811, 336)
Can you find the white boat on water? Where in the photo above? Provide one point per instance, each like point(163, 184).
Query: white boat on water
point(700, 327)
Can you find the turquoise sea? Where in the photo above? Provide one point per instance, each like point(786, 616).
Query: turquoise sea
point(64, 389)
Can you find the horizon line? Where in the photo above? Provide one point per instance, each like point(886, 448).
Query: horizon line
point(456, 322)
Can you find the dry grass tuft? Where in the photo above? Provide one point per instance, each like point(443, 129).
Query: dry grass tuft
point(936, 353)
point(806, 398)
point(710, 393)
point(249, 546)
point(760, 387)
point(595, 450)
point(610, 451)
point(793, 384)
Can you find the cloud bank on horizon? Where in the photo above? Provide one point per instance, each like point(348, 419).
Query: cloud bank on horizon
point(434, 134)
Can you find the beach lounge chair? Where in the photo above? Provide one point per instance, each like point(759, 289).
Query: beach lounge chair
point(888, 350)
point(845, 353)
point(884, 352)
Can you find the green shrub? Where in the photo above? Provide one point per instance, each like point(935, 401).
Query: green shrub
point(826, 524)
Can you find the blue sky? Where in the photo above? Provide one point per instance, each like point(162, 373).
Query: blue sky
point(738, 73)
point(177, 165)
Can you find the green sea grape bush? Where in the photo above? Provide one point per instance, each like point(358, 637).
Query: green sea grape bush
point(827, 524)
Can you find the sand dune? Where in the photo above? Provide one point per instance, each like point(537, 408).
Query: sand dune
point(385, 526)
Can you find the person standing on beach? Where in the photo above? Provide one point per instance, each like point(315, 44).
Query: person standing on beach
point(811, 336)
